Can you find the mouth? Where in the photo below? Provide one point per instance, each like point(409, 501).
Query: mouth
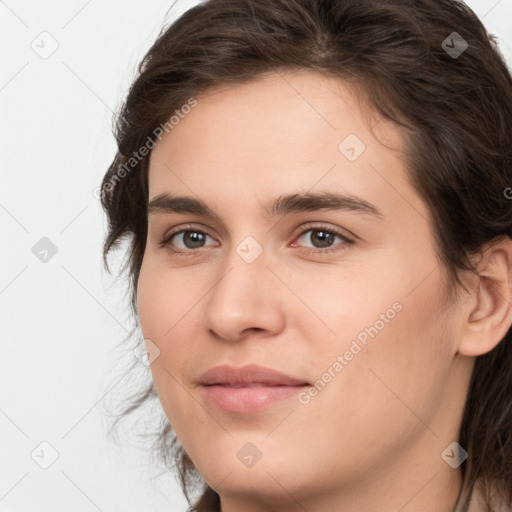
point(248, 389)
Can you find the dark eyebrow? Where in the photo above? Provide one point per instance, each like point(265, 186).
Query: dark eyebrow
point(294, 203)
point(309, 202)
point(165, 203)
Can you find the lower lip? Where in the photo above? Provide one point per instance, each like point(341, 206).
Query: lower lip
point(244, 400)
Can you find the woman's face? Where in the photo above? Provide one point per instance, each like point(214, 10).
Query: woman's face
point(296, 245)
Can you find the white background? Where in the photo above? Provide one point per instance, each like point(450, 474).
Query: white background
point(63, 322)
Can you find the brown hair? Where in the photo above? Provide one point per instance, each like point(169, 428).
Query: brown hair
point(456, 114)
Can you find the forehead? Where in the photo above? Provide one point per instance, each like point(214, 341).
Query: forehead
point(281, 132)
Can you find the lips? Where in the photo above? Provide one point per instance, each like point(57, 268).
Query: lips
point(247, 376)
point(247, 389)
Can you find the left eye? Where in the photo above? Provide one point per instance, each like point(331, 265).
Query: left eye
point(320, 238)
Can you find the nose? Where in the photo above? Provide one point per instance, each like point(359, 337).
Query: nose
point(245, 299)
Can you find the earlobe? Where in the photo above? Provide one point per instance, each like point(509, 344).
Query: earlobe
point(490, 316)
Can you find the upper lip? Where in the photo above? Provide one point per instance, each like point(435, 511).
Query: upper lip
point(250, 374)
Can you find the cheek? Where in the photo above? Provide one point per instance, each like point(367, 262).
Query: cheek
point(386, 388)
point(396, 354)
point(168, 306)
point(164, 298)
point(387, 341)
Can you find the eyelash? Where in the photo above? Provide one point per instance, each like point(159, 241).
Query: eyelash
point(165, 242)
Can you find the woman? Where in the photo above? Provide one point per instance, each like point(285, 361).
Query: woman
point(315, 197)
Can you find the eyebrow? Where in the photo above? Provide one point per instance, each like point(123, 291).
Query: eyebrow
point(282, 205)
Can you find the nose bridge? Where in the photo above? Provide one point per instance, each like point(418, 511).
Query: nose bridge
point(244, 296)
point(244, 268)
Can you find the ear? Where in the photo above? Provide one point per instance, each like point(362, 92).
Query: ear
point(489, 316)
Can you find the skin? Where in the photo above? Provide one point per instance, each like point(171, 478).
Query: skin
point(372, 438)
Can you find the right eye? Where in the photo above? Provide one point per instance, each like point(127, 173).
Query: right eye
point(185, 240)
